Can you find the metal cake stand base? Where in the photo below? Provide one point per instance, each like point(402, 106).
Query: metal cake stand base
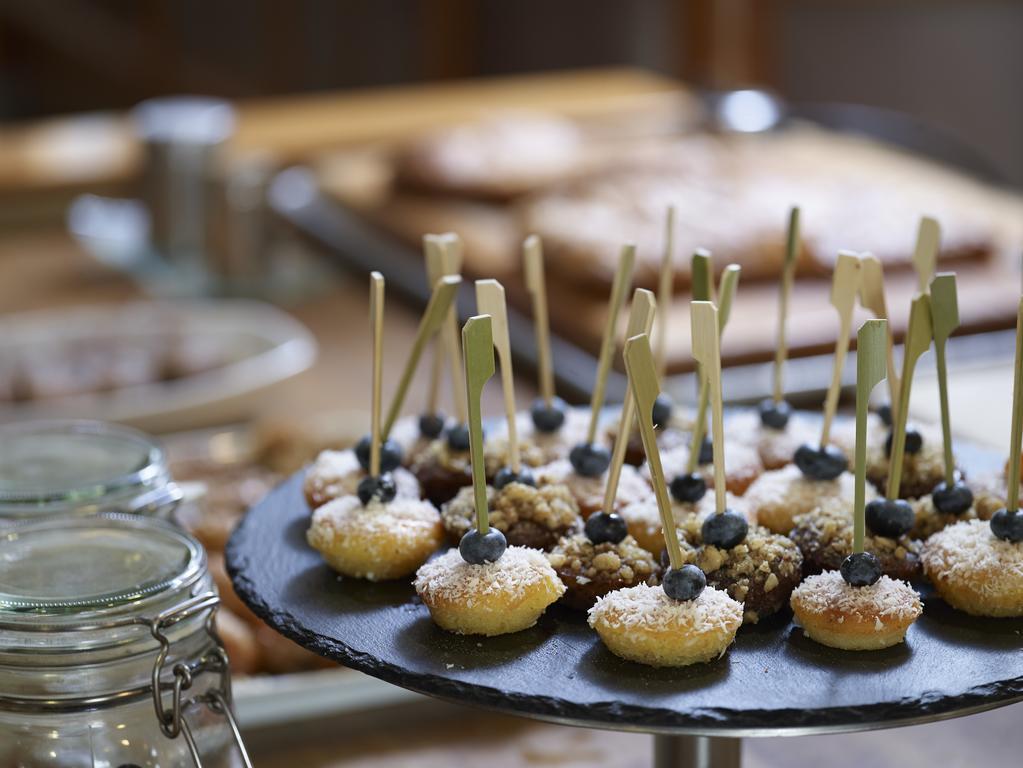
point(696, 752)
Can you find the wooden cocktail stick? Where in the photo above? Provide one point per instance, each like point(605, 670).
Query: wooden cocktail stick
point(707, 351)
point(490, 301)
point(872, 299)
point(702, 275)
point(639, 364)
point(871, 342)
point(478, 346)
point(433, 255)
point(1012, 499)
point(726, 292)
point(944, 319)
point(641, 318)
point(622, 280)
point(536, 284)
point(665, 289)
point(444, 291)
point(451, 264)
point(917, 341)
point(376, 325)
point(845, 286)
point(787, 275)
point(925, 255)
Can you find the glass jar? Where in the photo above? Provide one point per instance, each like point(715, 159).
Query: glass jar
point(71, 467)
point(109, 655)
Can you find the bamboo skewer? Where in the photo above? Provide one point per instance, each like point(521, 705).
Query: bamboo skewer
point(665, 289)
point(533, 268)
point(944, 319)
point(450, 258)
point(641, 316)
point(707, 351)
point(1012, 499)
point(872, 298)
point(871, 365)
point(917, 341)
point(925, 254)
point(639, 363)
point(376, 324)
point(844, 289)
point(787, 276)
point(478, 345)
point(622, 280)
point(490, 300)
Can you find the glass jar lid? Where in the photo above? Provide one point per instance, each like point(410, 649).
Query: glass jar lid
point(72, 569)
point(49, 467)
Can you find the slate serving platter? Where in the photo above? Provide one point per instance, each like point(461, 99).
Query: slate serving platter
point(773, 681)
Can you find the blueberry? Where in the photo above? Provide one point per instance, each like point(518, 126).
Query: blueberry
point(706, 451)
point(952, 500)
point(861, 569)
point(774, 415)
point(685, 583)
point(548, 418)
point(1007, 525)
point(507, 475)
point(477, 548)
point(688, 488)
point(431, 425)
point(890, 517)
point(590, 459)
point(390, 454)
point(458, 437)
point(914, 441)
point(885, 413)
point(725, 530)
point(825, 463)
point(661, 413)
point(381, 488)
point(602, 527)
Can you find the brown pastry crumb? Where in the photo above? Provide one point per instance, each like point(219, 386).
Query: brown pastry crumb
point(590, 570)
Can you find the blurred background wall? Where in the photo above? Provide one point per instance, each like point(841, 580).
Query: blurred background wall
point(953, 74)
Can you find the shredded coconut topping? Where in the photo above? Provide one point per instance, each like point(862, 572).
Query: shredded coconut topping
point(337, 473)
point(789, 488)
point(968, 551)
point(648, 608)
point(886, 600)
point(517, 571)
point(589, 491)
point(397, 517)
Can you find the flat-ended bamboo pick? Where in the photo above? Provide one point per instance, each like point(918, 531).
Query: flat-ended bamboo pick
point(641, 317)
point(589, 458)
point(787, 276)
point(451, 264)
point(536, 284)
point(1007, 522)
point(925, 254)
point(872, 299)
point(639, 363)
point(444, 291)
point(376, 324)
point(478, 347)
point(944, 320)
point(917, 341)
point(440, 251)
point(665, 289)
point(871, 356)
point(726, 294)
point(490, 300)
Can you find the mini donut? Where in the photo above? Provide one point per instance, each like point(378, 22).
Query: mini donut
point(777, 497)
point(843, 433)
point(775, 447)
point(589, 491)
point(551, 445)
point(760, 572)
point(406, 434)
point(527, 516)
point(677, 432)
point(989, 494)
point(644, 519)
point(975, 571)
point(496, 598)
point(928, 520)
point(742, 466)
point(337, 473)
point(441, 471)
point(378, 541)
point(869, 618)
point(825, 535)
point(496, 455)
point(921, 471)
point(590, 570)
point(644, 625)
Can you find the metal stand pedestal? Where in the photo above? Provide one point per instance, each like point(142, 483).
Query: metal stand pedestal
point(697, 752)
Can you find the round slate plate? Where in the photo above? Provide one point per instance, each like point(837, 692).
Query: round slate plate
point(773, 681)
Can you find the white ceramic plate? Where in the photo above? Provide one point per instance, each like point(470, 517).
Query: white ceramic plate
point(263, 346)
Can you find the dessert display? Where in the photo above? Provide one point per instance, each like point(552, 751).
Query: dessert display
point(373, 534)
point(857, 608)
point(684, 621)
point(485, 587)
point(977, 566)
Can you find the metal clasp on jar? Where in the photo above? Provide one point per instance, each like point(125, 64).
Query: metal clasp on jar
point(218, 699)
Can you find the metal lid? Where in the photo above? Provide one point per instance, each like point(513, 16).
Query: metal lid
point(72, 569)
